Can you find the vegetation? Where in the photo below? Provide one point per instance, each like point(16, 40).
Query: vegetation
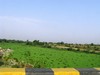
point(52, 55)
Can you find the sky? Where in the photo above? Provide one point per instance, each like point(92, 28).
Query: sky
point(71, 21)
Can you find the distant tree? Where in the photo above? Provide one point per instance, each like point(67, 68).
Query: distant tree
point(3, 40)
point(0, 40)
point(92, 44)
point(28, 42)
point(36, 42)
point(60, 43)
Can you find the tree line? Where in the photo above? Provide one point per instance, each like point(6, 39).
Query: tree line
point(87, 48)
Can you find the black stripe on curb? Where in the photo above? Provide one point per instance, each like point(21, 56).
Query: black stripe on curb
point(88, 71)
point(38, 71)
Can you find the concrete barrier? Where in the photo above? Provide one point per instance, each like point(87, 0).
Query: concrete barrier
point(12, 71)
point(53, 71)
point(90, 71)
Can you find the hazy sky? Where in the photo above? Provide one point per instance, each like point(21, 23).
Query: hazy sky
point(72, 21)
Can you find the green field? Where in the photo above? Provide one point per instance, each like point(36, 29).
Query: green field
point(52, 58)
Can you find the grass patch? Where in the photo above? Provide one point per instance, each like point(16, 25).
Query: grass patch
point(52, 58)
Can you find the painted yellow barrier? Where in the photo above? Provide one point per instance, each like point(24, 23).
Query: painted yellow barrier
point(98, 69)
point(53, 71)
point(65, 71)
point(12, 71)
